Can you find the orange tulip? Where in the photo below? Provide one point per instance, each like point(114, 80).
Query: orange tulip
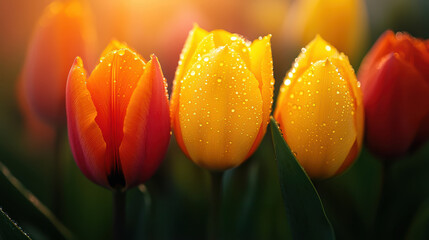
point(118, 118)
point(64, 31)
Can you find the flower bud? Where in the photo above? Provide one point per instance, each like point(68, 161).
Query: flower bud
point(395, 86)
point(222, 97)
point(320, 110)
point(118, 118)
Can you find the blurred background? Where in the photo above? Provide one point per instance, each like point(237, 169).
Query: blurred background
point(174, 203)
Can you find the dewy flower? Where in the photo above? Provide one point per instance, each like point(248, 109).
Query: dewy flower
point(64, 31)
point(222, 97)
point(320, 110)
point(395, 86)
point(341, 22)
point(118, 118)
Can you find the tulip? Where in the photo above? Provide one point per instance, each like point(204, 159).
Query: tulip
point(64, 31)
point(320, 110)
point(118, 118)
point(395, 86)
point(342, 23)
point(222, 97)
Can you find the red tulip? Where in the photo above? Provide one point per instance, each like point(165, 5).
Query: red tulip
point(118, 118)
point(395, 85)
point(64, 31)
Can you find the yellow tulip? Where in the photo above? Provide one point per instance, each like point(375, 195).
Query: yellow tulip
point(320, 110)
point(341, 22)
point(222, 97)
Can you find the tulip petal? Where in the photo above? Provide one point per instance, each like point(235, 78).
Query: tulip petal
point(222, 105)
point(316, 50)
point(346, 70)
point(116, 45)
point(113, 45)
point(146, 126)
point(394, 80)
point(111, 85)
point(315, 111)
point(262, 68)
point(219, 38)
point(85, 136)
point(194, 38)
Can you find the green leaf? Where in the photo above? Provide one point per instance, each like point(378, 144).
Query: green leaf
point(9, 229)
point(306, 216)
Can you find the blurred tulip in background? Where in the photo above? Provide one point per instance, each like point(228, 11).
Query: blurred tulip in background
point(222, 97)
point(320, 110)
point(64, 31)
point(118, 118)
point(395, 85)
point(343, 23)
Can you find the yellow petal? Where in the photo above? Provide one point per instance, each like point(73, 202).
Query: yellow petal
point(192, 42)
point(318, 119)
point(219, 38)
point(220, 110)
point(346, 70)
point(194, 38)
point(262, 68)
point(316, 50)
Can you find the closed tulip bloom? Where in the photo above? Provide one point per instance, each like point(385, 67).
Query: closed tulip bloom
point(222, 97)
point(320, 110)
point(395, 86)
point(118, 118)
point(341, 22)
point(64, 31)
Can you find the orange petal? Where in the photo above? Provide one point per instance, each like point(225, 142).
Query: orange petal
point(86, 140)
point(111, 85)
point(116, 45)
point(146, 126)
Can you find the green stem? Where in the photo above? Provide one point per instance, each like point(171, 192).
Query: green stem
point(216, 182)
point(57, 175)
point(382, 201)
point(119, 200)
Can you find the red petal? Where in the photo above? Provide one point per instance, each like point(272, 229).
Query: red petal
point(396, 101)
point(85, 137)
point(146, 126)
